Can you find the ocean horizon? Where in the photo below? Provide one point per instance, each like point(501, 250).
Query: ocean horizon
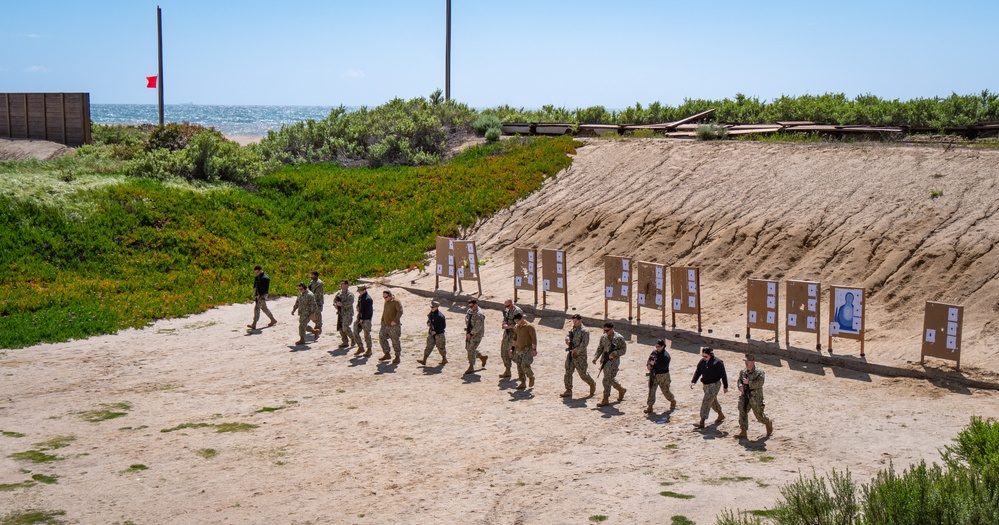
point(248, 120)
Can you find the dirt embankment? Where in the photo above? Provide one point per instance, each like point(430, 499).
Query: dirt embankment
point(18, 149)
point(909, 223)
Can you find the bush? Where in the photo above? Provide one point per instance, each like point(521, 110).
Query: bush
point(159, 164)
point(484, 123)
point(711, 132)
point(212, 158)
point(493, 134)
point(174, 136)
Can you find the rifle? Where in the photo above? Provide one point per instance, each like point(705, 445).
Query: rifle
point(744, 398)
point(339, 314)
point(568, 349)
point(652, 370)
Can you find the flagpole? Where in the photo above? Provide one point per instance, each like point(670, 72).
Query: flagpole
point(447, 55)
point(159, 78)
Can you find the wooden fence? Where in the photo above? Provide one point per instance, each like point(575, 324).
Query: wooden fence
point(56, 117)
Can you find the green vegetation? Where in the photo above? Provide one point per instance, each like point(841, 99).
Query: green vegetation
point(598, 518)
point(711, 132)
point(763, 458)
point(48, 480)
point(207, 453)
point(681, 520)
point(56, 442)
point(671, 494)
point(108, 255)
point(936, 193)
point(106, 412)
point(34, 455)
point(138, 467)
point(10, 487)
point(830, 108)
point(32, 517)
point(268, 409)
point(965, 490)
point(9, 434)
point(234, 427)
point(413, 133)
point(183, 426)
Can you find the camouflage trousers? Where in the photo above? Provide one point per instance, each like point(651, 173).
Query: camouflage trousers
point(661, 382)
point(391, 334)
point(524, 359)
point(260, 305)
point(610, 376)
point(576, 364)
point(303, 325)
point(365, 327)
point(756, 405)
point(710, 400)
point(505, 345)
point(317, 319)
point(343, 327)
point(472, 349)
point(433, 340)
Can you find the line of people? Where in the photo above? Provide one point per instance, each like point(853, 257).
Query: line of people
point(518, 346)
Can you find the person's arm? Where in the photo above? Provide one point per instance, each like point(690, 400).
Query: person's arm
point(697, 374)
point(724, 375)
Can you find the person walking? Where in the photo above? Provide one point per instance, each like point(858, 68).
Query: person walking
point(509, 310)
point(391, 330)
point(436, 324)
point(525, 348)
point(751, 381)
point(576, 342)
point(365, 312)
point(658, 367)
point(609, 351)
point(475, 327)
point(306, 306)
point(711, 372)
point(344, 303)
point(316, 287)
point(261, 287)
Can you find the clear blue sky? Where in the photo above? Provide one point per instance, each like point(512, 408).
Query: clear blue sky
point(519, 52)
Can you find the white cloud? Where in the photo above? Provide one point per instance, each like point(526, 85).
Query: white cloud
point(353, 73)
point(37, 69)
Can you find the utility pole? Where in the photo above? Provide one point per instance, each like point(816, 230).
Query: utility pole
point(447, 55)
point(159, 78)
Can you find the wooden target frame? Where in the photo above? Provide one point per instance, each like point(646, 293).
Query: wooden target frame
point(444, 259)
point(525, 271)
point(942, 327)
point(685, 288)
point(650, 291)
point(466, 259)
point(617, 281)
point(803, 310)
point(762, 306)
point(554, 275)
point(858, 321)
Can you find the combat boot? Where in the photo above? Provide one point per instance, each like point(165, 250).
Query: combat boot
point(740, 435)
point(422, 361)
point(648, 409)
point(530, 381)
point(506, 374)
point(770, 427)
point(360, 350)
point(620, 393)
point(251, 326)
point(521, 386)
point(385, 357)
point(593, 389)
point(604, 402)
point(396, 360)
point(567, 393)
point(300, 342)
point(443, 361)
point(469, 371)
point(721, 417)
point(699, 425)
point(367, 353)
point(483, 359)
point(672, 405)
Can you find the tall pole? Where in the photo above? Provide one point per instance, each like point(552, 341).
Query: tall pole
point(447, 56)
point(159, 78)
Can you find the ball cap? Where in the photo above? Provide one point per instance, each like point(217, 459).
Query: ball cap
point(434, 303)
point(751, 357)
point(362, 287)
point(577, 316)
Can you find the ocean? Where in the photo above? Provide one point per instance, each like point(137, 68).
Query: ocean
point(230, 120)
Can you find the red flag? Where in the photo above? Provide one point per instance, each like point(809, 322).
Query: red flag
point(151, 81)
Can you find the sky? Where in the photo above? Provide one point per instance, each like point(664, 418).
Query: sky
point(524, 53)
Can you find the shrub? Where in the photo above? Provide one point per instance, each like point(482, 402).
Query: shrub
point(711, 132)
point(493, 134)
point(213, 158)
point(159, 164)
point(484, 123)
point(173, 136)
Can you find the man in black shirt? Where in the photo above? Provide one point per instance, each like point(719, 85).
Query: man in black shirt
point(711, 372)
point(658, 367)
point(365, 311)
point(261, 286)
point(436, 323)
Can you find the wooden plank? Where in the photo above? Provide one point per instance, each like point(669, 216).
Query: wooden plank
point(795, 122)
point(754, 131)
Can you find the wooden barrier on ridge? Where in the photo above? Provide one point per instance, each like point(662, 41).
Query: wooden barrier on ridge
point(56, 117)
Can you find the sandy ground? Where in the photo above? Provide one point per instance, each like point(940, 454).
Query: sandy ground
point(24, 149)
point(356, 441)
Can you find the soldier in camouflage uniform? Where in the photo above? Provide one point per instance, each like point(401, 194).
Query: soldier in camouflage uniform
point(391, 330)
point(612, 346)
point(316, 287)
point(575, 358)
point(306, 306)
point(525, 348)
point(475, 327)
point(436, 324)
point(751, 387)
point(658, 367)
point(509, 310)
point(344, 303)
